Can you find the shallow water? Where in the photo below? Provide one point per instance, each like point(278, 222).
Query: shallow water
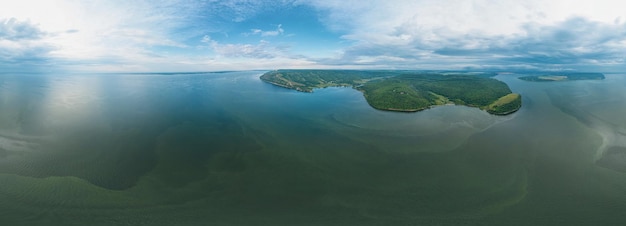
point(228, 149)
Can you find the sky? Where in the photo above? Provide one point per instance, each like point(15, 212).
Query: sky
point(213, 35)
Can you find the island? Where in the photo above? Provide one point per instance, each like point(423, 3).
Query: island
point(408, 91)
point(559, 77)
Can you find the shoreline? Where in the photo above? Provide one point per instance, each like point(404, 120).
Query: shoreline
point(310, 89)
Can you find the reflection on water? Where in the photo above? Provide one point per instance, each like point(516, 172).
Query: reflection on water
point(226, 148)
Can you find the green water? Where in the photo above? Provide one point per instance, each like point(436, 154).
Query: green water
point(228, 149)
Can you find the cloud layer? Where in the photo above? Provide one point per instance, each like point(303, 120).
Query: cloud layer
point(479, 34)
point(21, 45)
point(256, 34)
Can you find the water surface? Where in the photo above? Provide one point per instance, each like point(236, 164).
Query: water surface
point(228, 149)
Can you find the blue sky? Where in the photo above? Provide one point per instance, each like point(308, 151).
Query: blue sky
point(143, 36)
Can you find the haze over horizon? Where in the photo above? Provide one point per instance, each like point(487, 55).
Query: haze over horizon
point(144, 36)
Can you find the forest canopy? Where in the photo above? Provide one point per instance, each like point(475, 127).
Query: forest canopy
point(407, 90)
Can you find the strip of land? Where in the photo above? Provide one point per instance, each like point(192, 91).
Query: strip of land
point(559, 77)
point(407, 91)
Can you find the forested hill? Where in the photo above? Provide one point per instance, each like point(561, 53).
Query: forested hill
point(307, 80)
point(407, 90)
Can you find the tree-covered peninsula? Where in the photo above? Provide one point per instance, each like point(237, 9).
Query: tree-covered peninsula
point(407, 90)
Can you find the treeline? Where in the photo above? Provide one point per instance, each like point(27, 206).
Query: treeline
point(507, 108)
point(416, 90)
point(395, 94)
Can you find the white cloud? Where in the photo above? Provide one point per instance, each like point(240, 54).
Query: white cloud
point(278, 31)
point(12, 29)
point(106, 31)
point(262, 50)
point(467, 32)
point(21, 44)
point(117, 34)
point(490, 17)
